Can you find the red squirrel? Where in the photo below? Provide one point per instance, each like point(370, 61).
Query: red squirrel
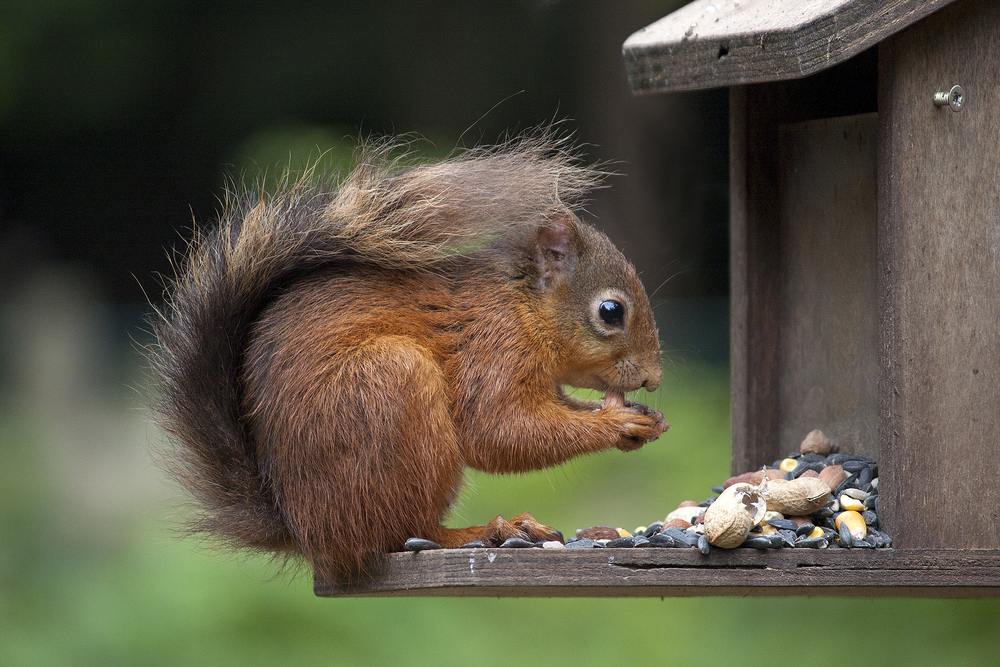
point(332, 357)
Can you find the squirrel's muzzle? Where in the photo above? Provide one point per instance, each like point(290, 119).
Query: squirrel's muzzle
point(652, 371)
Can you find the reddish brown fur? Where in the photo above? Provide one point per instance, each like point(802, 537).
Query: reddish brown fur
point(362, 387)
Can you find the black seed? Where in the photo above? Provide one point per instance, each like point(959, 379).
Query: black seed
point(788, 536)
point(821, 514)
point(621, 543)
point(582, 543)
point(784, 524)
point(805, 529)
point(858, 457)
point(703, 545)
point(799, 469)
point(516, 543)
point(845, 536)
point(653, 529)
point(757, 542)
point(816, 467)
point(718, 489)
point(866, 476)
point(854, 466)
point(420, 544)
point(682, 536)
point(883, 538)
point(811, 543)
point(478, 544)
point(662, 540)
point(850, 482)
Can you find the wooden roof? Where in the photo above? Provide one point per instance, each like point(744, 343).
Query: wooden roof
point(713, 43)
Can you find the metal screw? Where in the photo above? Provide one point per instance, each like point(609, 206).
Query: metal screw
point(955, 98)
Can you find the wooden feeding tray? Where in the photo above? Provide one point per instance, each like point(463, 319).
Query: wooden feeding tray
point(646, 572)
point(865, 295)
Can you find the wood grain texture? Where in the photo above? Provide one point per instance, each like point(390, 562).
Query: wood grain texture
point(711, 43)
point(828, 335)
point(939, 281)
point(739, 295)
point(682, 572)
point(755, 273)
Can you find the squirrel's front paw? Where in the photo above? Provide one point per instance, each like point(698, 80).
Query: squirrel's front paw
point(640, 424)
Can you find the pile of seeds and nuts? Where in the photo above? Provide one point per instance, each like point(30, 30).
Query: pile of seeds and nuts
point(816, 498)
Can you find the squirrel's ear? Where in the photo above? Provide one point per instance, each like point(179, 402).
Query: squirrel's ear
point(555, 248)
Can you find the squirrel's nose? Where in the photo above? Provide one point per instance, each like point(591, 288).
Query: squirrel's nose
point(654, 375)
point(653, 383)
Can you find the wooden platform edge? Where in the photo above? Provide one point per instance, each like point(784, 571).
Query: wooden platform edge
point(681, 573)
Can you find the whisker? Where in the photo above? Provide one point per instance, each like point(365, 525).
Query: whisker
point(682, 271)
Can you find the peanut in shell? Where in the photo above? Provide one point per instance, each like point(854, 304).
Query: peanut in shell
point(795, 497)
point(729, 519)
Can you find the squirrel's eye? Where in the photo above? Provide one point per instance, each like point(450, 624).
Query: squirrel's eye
point(612, 313)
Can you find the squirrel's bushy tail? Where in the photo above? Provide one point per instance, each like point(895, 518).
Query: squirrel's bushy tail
point(381, 214)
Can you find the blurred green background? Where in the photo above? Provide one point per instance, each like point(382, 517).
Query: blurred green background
point(120, 123)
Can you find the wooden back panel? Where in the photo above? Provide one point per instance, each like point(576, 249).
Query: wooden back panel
point(828, 360)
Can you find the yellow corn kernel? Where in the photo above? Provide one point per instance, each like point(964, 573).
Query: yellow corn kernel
point(855, 523)
point(849, 503)
point(816, 532)
point(623, 533)
point(788, 465)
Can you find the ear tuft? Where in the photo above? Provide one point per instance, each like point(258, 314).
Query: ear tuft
point(555, 248)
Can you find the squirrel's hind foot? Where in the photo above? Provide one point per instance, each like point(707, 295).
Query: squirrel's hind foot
point(496, 532)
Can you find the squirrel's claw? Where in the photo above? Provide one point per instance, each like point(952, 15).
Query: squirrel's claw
point(643, 425)
point(524, 526)
point(535, 531)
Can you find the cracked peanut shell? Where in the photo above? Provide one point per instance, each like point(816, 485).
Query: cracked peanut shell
point(729, 519)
